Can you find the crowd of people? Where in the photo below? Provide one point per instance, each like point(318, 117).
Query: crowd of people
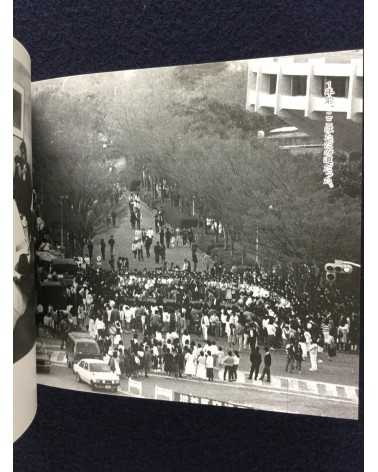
point(190, 323)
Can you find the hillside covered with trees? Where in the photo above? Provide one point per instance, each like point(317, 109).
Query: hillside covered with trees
point(189, 126)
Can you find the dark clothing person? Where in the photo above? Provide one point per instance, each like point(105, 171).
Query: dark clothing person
point(184, 237)
point(22, 183)
point(290, 358)
point(111, 243)
point(156, 219)
point(298, 355)
point(195, 261)
point(267, 364)
point(90, 249)
point(147, 361)
point(157, 252)
point(255, 358)
point(102, 246)
point(161, 234)
point(113, 215)
point(132, 219)
point(180, 363)
point(167, 238)
point(148, 243)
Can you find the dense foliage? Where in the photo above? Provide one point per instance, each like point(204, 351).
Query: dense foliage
point(189, 126)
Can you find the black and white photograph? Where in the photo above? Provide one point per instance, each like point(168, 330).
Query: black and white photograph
point(23, 218)
point(198, 232)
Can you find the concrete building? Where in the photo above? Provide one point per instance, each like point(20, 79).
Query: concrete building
point(297, 83)
point(292, 88)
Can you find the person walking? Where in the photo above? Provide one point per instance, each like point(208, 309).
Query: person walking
point(90, 249)
point(132, 219)
point(161, 236)
point(195, 260)
point(205, 322)
point(235, 366)
point(147, 245)
point(147, 361)
point(290, 357)
point(140, 250)
point(313, 356)
point(134, 248)
point(168, 236)
point(162, 253)
point(190, 236)
point(111, 243)
point(267, 365)
point(157, 252)
point(255, 358)
point(112, 263)
point(114, 216)
point(209, 363)
point(102, 248)
point(239, 333)
point(228, 363)
point(298, 355)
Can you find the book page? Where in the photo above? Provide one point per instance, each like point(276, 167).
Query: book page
point(24, 377)
point(200, 232)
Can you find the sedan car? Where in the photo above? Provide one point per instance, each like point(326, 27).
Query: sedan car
point(97, 374)
point(43, 358)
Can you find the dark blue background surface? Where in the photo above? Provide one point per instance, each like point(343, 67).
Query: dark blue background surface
point(79, 432)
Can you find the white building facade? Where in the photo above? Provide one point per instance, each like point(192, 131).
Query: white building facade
point(296, 83)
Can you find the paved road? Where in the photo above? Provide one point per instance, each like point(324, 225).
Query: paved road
point(259, 398)
point(124, 235)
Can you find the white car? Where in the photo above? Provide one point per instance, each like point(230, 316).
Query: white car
point(97, 374)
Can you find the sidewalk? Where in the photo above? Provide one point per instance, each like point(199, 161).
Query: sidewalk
point(283, 384)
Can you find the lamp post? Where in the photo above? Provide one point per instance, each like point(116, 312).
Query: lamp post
point(257, 245)
point(62, 199)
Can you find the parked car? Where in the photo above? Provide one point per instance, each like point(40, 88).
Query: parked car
point(43, 358)
point(80, 345)
point(97, 374)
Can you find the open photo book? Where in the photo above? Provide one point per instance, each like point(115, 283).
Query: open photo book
point(191, 234)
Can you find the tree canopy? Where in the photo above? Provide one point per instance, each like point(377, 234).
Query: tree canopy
point(188, 125)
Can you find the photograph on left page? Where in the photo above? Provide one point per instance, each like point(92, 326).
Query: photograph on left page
point(24, 294)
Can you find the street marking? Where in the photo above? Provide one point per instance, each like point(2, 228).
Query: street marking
point(284, 383)
point(135, 385)
point(341, 391)
point(166, 393)
point(266, 387)
point(322, 389)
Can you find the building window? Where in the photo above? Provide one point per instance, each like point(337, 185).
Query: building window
point(340, 85)
point(298, 85)
point(272, 84)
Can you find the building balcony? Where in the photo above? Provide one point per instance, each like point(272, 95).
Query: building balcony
point(288, 102)
point(340, 104)
point(267, 100)
point(333, 70)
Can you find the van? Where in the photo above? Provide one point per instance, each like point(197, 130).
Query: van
point(80, 345)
